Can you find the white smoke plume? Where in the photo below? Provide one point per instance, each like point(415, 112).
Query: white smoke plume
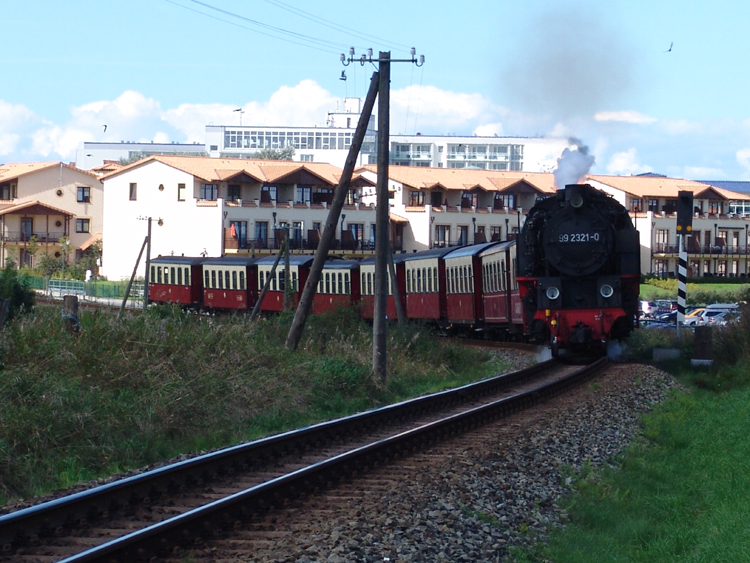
point(573, 164)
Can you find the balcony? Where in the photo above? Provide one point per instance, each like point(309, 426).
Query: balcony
point(693, 249)
point(24, 237)
point(302, 244)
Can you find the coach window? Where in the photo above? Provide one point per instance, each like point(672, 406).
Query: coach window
point(294, 281)
point(261, 276)
point(369, 283)
point(206, 283)
point(153, 273)
point(282, 280)
point(320, 285)
point(179, 276)
point(273, 282)
point(471, 279)
point(347, 285)
point(226, 279)
point(341, 283)
point(158, 274)
point(172, 275)
point(213, 279)
point(242, 280)
point(328, 282)
point(435, 279)
point(234, 279)
point(221, 280)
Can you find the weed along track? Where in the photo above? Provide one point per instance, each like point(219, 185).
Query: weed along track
point(214, 496)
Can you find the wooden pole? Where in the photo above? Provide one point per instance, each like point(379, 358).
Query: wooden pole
point(288, 289)
point(132, 277)
point(266, 285)
point(148, 266)
point(329, 232)
point(379, 335)
point(70, 313)
point(400, 314)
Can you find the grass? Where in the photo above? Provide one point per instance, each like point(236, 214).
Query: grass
point(680, 492)
point(124, 394)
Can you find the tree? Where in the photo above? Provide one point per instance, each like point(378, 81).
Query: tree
point(287, 153)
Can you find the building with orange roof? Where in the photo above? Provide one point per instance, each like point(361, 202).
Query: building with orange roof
point(719, 241)
point(44, 204)
point(449, 206)
point(213, 206)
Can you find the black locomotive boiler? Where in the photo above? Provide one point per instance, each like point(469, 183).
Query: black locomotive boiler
point(579, 270)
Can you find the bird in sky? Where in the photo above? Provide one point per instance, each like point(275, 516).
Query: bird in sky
point(670, 47)
point(105, 128)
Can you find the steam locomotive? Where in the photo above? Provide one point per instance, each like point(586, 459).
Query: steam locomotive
point(579, 271)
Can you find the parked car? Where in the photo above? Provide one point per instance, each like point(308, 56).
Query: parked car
point(665, 306)
point(648, 308)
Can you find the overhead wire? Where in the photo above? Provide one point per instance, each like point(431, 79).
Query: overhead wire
point(332, 25)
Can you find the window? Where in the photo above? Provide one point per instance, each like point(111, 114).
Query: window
point(84, 194)
point(653, 205)
point(305, 158)
point(496, 233)
point(714, 207)
point(442, 235)
point(133, 191)
point(505, 200)
point(209, 192)
point(8, 191)
point(180, 192)
point(82, 225)
point(416, 198)
point(303, 195)
point(636, 205)
point(469, 199)
point(463, 234)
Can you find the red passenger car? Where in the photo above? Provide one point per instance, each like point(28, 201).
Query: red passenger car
point(175, 279)
point(503, 309)
point(229, 282)
point(338, 286)
point(367, 287)
point(299, 270)
point(425, 284)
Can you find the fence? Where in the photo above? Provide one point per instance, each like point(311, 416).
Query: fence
point(104, 292)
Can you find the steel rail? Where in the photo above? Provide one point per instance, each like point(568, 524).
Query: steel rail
point(91, 504)
point(215, 519)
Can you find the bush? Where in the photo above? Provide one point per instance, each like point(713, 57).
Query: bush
point(17, 291)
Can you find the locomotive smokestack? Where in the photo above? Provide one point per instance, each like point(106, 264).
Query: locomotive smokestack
point(573, 165)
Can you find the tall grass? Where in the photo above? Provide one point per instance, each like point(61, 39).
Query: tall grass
point(123, 394)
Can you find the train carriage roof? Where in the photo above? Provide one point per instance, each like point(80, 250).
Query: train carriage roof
point(294, 260)
point(338, 264)
point(429, 254)
point(471, 250)
point(500, 246)
point(230, 261)
point(397, 259)
point(182, 260)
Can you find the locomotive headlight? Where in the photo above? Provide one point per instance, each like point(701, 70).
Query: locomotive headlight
point(576, 201)
point(552, 293)
point(606, 291)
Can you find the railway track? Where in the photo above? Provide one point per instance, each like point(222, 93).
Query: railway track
point(184, 504)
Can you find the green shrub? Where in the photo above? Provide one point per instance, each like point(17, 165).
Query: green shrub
point(20, 296)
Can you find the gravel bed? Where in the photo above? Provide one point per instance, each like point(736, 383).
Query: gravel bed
point(478, 501)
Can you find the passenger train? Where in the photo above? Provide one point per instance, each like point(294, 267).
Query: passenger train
point(570, 280)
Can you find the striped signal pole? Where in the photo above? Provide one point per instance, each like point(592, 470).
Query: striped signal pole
point(684, 227)
point(681, 285)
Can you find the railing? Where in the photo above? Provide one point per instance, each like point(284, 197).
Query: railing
point(717, 249)
point(22, 236)
point(271, 243)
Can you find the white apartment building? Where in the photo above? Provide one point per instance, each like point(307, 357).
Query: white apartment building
point(93, 155)
point(329, 143)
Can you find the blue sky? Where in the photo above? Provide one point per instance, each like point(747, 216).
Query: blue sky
point(162, 69)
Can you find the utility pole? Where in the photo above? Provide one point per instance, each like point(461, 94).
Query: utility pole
point(382, 229)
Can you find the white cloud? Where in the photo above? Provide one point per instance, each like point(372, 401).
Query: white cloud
point(703, 173)
point(305, 104)
point(626, 163)
point(430, 110)
point(489, 129)
point(743, 157)
point(14, 119)
point(624, 116)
